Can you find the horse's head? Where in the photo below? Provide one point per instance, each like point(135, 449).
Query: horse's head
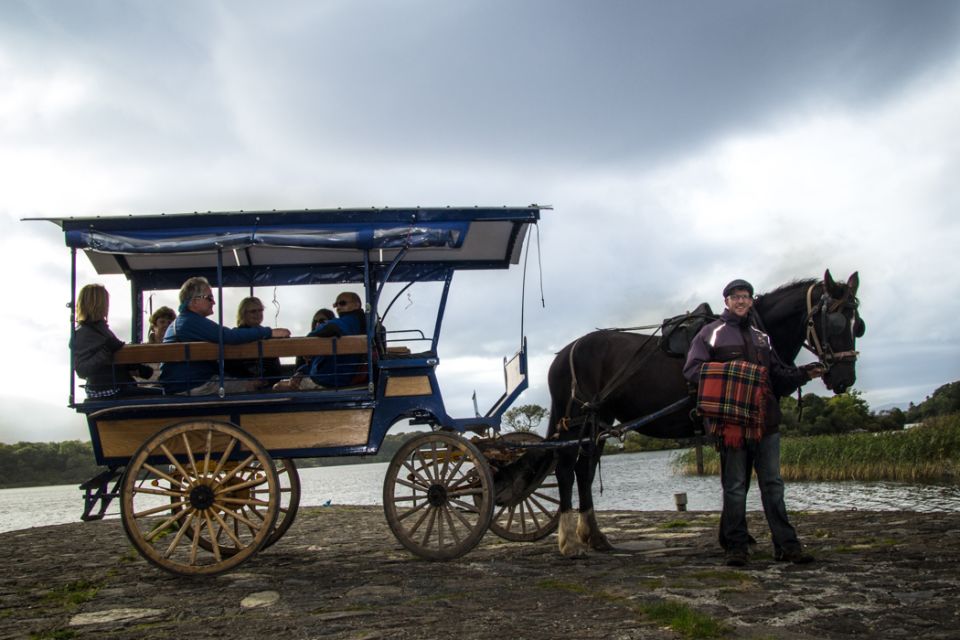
point(833, 326)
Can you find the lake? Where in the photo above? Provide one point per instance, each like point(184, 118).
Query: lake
point(634, 481)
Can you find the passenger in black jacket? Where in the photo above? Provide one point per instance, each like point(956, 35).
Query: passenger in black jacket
point(93, 347)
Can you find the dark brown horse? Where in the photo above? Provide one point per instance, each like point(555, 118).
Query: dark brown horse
point(613, 376)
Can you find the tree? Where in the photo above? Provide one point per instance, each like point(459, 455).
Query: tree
point(524, 418)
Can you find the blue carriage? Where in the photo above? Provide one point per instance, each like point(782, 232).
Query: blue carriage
point(205, 481)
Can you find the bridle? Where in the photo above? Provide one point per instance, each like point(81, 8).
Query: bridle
point(824, 308)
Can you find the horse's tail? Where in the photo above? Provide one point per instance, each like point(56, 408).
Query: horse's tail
point(558, 381)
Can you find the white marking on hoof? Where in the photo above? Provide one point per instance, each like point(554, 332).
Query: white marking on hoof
point(567, 540)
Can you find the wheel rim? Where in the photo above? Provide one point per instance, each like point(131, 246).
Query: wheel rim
point(199, 498)
point(437, 496)
point(533, 515)
point(289, 480)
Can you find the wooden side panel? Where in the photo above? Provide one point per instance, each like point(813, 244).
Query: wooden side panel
point(121, 438)
point(299, 430)
point(309, 429)
point(408, 386)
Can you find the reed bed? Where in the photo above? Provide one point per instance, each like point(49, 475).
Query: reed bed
point(927, 453)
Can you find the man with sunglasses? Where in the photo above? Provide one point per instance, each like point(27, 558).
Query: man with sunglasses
point(193, 325)
point(324, 372)
point(733, 338)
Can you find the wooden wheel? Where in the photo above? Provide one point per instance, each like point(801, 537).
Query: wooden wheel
point(215, 509)
point(527, 498)
point(438, 495)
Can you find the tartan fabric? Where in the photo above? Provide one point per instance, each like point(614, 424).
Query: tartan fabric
point(732, 400)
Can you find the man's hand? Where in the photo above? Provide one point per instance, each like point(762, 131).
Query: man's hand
point(813, 370)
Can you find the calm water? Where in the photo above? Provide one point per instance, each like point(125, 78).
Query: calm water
point(638, 481)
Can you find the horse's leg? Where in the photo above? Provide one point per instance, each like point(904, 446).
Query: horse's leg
point(567, 539)
point(588, 531)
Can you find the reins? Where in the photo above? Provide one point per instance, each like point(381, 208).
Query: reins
point(825, 354)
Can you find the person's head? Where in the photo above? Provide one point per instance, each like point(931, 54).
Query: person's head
point(250, 312)
point(321, 316)
point(346, 302)
point(738, 297)
point(197, 296)
point(159, 321)
point(93, 303)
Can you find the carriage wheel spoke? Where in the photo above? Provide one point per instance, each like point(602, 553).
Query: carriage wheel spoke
point(225, 456)
point(190, 458)
point(423, 516)
point(157, 472)
point(451, 527)
point(409, 512)
point(226, 529)
point(173, 460)
point(160, 528)
point(178, 536)
point(214, 537)
point(432, 512)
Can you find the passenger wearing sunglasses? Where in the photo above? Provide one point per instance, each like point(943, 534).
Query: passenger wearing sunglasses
point(326, 371)
point(193, 325)
point(735, 337)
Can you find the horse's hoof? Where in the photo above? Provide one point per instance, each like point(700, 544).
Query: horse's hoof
point(601, 545)
point(568, 542)
point(589, 534)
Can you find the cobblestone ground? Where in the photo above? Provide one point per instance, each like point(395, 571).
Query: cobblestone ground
point(339, 573)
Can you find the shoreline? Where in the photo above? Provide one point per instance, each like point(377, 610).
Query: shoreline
point(339, 573)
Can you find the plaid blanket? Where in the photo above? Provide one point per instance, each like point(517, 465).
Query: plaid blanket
point(732, 400)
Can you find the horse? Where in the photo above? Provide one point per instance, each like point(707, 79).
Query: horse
point(614, 375)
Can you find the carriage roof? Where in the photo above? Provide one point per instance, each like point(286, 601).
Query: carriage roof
point(300, 246)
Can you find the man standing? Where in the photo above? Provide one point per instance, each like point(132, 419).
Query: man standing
point(734, 338)
point(193, 325)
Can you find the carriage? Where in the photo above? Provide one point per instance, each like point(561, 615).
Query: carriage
point(206, 481)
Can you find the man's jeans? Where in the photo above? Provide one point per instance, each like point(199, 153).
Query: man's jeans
point(735, 472)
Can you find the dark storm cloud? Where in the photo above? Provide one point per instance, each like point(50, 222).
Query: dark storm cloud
point(591, 82)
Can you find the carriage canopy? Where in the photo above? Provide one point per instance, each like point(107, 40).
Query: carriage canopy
point(294, 247)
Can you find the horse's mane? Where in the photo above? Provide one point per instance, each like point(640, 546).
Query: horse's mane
point(788, 287)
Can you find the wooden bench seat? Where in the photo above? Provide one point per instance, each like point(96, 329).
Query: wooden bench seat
point(273, 348)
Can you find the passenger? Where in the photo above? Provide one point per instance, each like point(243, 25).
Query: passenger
point(321, 316)
point(327, 371)
point(250, 314)
point(94, 345)
point(159, 321)
point(192, 325)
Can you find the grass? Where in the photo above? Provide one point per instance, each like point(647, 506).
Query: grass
point(72, 594)
point(928, 453)
point(684, 620)
point(679, 617)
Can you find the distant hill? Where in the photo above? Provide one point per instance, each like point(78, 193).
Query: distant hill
point(944, 401)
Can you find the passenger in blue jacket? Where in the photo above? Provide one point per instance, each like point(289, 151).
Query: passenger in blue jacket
point(324, 372)
point(192, 325)
point(734, 337)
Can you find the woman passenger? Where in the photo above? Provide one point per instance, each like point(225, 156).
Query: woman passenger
point(94, 345)
point(250, 314)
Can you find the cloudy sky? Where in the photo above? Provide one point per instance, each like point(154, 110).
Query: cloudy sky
point(681, 144)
